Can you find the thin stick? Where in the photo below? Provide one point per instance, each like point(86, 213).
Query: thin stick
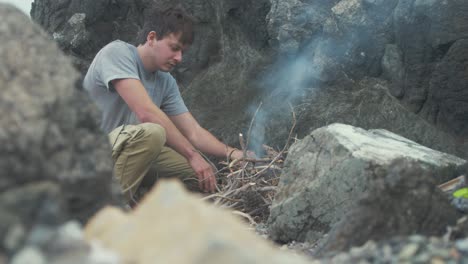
point(242, 142)
point(234, 173)
point(236, 191)
point(267, 189)
point(274, 167)
point(224, 198)
point(252, 222)
point(257, 160)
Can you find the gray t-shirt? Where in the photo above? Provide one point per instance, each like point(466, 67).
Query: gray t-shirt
point(120, 60)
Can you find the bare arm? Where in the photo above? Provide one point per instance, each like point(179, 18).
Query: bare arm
point(201, 138)
point(136, 97)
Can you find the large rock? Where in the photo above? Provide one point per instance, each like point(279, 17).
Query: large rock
point(63, 244)
point(447, 100)
point(430, 35)
point(403, 202)
point(173, 226)
point(327, 172)
point(54, 161)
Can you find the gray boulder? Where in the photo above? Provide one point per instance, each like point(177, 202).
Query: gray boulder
point(402, 202)
point(55, 162)
point(447, 99)
point(431, 37)
point(327, 172)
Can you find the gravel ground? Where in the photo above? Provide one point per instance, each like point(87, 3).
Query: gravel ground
point(414, 249)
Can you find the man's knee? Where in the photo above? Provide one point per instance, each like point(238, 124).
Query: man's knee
point(156, 134)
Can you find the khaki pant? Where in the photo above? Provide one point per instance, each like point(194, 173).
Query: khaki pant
point(140, 158)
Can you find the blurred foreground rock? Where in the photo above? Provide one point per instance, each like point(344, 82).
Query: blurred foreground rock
point(328, 172)
point(62, 245)
point(172, 226)
point(54, 161)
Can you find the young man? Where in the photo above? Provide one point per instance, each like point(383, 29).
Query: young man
point(153, 135)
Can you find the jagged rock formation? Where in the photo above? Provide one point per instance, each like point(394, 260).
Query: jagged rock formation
point(54, 161)
point(282, 52)
point(328, 172)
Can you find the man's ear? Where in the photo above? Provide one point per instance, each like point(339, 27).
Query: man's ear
point(151, 37)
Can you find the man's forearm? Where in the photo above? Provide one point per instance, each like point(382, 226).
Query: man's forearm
point(207, 143)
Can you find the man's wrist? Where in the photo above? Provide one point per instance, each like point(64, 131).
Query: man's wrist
point(192, 153)
point(230, 152)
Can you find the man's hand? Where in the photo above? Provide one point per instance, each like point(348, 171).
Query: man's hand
point(204, 172)
point(238, 154)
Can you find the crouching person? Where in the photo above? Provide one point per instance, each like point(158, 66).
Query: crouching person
point(152, 133)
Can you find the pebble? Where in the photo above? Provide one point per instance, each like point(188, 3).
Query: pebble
point(462, 245)
point(71, 230)
point(461, 204)
point(437, 260)
point(416, 238)
point(408, 251)
point(40, 235)
point(431, 250)
point(14, 237)
point(29, 255)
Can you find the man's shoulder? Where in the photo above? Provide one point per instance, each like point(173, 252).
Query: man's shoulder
point(117, 46)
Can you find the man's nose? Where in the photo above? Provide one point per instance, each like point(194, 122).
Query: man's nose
point(178, 56)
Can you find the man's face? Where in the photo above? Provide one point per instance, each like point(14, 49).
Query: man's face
point(167, 52)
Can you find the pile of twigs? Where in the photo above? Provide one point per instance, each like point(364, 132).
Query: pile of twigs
point(249, 185)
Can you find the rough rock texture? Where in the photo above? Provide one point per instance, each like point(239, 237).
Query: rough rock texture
point(403, 202)
point(277, 51)
point(351, 33)
point(54, 161)
point(447, 99)
point(173, 226)
point(418, 45)
point(429, 35)
point(81, 27)
point(327, 172)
